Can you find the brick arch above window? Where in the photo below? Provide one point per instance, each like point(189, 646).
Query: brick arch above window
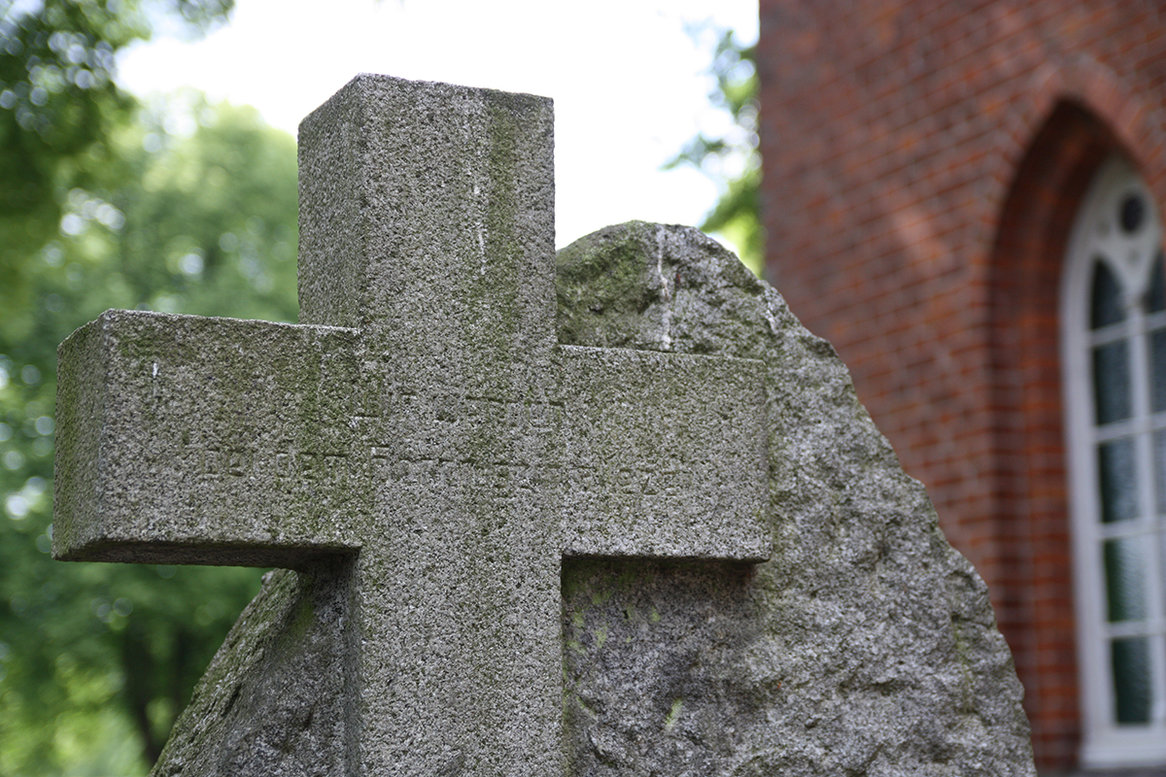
point(1034, 586)
point(1133, 120)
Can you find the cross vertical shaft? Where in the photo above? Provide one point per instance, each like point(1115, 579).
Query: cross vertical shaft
point(427, 220)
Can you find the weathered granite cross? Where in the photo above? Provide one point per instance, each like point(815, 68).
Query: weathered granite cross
point(421, 422)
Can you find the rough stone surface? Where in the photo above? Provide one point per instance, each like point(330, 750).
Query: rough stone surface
point(666, 539)
point(653, 656)
point(866, 645)
point(272, 701)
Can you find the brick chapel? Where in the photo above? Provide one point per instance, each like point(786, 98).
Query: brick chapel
point(966, 199)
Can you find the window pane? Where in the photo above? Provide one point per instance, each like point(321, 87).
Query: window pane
point(1162, 562)
point(1156, 296)
point(1111, 381)
point(1131, 213)
point(1158, 370)
point(1107, 307)
point(1160, 473)
point(1125, 579)
point(1131, 679)
point(1118, 480)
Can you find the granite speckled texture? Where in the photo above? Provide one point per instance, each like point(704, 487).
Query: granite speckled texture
point(866, 645)
point(645, 529)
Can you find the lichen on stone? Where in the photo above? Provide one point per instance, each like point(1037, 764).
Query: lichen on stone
point(865, 645)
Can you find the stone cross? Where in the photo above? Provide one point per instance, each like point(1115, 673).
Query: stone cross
point(421, 423)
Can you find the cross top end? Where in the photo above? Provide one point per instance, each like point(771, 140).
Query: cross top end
point(410, 191)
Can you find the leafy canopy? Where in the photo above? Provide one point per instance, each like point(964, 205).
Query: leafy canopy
point(101, 206)
point(203, 223)
point(59, 105)
point(730, 155)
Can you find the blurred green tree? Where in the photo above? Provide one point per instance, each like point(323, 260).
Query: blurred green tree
point(59, 104)
point(95, 655)
point(100, 207)
point(729, 155)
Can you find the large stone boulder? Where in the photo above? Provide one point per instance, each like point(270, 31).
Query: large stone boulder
point(866, 645)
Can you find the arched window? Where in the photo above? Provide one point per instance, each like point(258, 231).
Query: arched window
point(1113, 327)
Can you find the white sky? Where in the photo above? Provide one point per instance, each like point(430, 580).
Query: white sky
point(628, 80)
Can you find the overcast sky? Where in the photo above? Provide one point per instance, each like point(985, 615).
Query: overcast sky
point(628, 78)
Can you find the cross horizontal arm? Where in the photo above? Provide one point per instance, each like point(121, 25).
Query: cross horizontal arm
point(664, 455)
point(206, 440)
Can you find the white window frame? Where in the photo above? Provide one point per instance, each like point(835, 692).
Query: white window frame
point(1095, 233)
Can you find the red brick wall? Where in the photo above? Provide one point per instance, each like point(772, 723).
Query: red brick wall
point(922, 164)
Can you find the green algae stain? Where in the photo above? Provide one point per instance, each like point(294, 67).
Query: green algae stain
point(673, 714)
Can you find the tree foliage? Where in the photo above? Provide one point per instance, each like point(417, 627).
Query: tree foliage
point(59, 105)
point(204, 222)
point(730, 155)
point(101, 206)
